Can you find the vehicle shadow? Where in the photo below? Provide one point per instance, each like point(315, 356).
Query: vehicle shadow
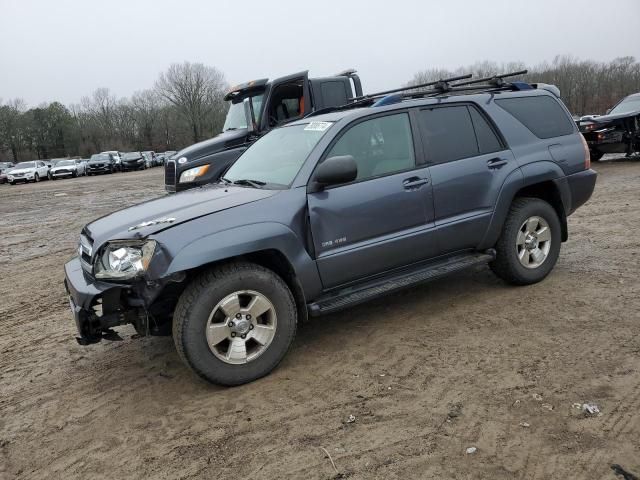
point(319, 339)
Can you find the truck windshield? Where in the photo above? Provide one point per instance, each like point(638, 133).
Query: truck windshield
point(235, 116)
point(626, 106)
point(276, 158)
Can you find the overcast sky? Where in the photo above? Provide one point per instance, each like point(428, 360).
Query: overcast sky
point(63, 50)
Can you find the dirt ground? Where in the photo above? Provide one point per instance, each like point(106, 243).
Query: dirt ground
point(429, 372)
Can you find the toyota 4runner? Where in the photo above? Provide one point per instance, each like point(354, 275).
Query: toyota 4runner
point(335, 209)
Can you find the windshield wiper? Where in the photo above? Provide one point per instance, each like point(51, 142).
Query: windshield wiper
point(250, 183)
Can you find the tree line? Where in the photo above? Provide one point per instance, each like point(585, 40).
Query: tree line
point(586, 87)
point(186, 106)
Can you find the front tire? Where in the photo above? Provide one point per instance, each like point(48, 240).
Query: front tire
point(36, 178)
point(234, 323)
point(529, 244)
point(596, 155)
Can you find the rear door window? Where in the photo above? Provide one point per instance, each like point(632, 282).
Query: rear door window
point(541, 114)
point(448, 134)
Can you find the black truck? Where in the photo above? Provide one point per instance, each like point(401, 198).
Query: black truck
point(257, 107)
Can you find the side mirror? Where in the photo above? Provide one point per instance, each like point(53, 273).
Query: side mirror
point(249, 116)
point(335, 170)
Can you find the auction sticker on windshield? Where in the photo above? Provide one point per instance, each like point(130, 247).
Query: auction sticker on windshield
point(318, 126)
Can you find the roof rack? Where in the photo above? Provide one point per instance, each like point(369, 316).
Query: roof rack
point(438, 87)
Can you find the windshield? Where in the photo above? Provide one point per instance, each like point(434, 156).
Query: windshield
point(131, 156)
point(625, 106)
point(65, 163)
point(26, 165)
point(276, 158)
point(235, 116)
point(100, 156)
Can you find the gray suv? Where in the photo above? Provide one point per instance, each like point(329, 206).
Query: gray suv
point(332, 210)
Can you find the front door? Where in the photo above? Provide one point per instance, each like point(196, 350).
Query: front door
point(382, 220)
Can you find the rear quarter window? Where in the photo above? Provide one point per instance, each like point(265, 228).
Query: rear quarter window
point(541, 114)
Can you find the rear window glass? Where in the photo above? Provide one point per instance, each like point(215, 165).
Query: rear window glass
point(542, 115)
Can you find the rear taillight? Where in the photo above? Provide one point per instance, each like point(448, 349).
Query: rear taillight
point(587, 155)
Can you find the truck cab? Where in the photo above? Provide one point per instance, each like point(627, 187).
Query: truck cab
point(255, 108)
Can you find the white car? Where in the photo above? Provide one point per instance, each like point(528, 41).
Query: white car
point(68, 168)
point(28, 172)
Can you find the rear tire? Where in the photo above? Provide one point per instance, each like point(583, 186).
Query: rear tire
point(199, 311)
point(529, 244)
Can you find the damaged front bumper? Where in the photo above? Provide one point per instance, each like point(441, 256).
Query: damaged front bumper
point(99, 306)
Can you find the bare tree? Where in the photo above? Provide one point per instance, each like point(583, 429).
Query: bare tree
point(146, 105)
point(197, 91)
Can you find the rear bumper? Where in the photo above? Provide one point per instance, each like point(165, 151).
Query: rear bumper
point(581, 186)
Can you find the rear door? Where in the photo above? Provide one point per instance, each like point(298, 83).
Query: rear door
point(382, 220)
point(469, 162)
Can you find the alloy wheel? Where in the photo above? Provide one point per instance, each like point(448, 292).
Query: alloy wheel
point(241, 327)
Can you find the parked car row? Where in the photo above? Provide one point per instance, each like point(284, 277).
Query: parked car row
point(105, 162)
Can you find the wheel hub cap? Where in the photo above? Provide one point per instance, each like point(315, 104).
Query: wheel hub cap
point(241, 326)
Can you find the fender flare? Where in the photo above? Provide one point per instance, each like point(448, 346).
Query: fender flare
point(527, 176)
point(250, 239)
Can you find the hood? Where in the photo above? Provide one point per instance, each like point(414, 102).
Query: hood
point(602, 119)
point(64, 167)
point(170, 211)
point(22, 170)
point(228, 139)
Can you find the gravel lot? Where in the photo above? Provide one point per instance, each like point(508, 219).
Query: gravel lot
point(429, 372)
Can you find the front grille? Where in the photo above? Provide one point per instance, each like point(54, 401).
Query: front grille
point(170, 173)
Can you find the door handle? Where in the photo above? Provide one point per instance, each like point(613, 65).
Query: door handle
point(414, 182)
point(496, 162)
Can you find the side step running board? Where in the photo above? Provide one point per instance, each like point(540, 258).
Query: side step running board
point(349, 296)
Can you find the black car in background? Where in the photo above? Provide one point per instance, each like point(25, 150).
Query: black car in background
point(616, 132)
point(101, 163)
point(133, 161)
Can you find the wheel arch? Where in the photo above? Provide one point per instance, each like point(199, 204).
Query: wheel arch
point(544, 180)
point(271, 245)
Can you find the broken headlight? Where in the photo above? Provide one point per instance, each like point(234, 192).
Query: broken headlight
point(124, 260)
